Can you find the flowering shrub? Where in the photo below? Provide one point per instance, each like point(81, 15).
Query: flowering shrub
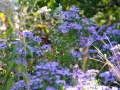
point(59, 36)
point(52, 76)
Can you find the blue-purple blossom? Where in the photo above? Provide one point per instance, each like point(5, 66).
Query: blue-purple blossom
point(74, 9)
point(60, 82)
point(3, 45)
point(83, 80)
point(50, 88)
point(109, 76)
point(63, 29)
point(31, 48)
point(76, 54)
point(63, 72)
point(37, 39)
point(105, 47)
point(27, 34)
point(39, 52)
point(20, 61)
point(46, 47)
point(85, 21)
point(92, 51)
point(76, 26)
point(69, 15)
point(20, 51)
point(15, 42)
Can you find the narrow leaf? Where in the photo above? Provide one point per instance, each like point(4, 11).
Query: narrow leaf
point(29, 51)
point(12, 64)
point(9, 83)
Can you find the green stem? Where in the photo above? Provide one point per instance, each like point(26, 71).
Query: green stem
point(84, 59)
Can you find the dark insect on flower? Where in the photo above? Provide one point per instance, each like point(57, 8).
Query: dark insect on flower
point(46, 40)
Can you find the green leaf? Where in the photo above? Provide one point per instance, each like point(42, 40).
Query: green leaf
point(12, 64)
point(9, 83)
point(9, 31)
point(25, 78)
point(29, 51)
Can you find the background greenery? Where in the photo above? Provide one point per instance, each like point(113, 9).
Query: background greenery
point(103, 11)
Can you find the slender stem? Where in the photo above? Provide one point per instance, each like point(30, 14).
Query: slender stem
point(84, 59)
point(97, 60)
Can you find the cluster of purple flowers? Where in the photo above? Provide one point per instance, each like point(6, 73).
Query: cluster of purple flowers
point(90, 33)
point(28, 34)
point(111, 76)
point(52, 76)
point(34, 44)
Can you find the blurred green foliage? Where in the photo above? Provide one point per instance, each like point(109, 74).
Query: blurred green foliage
point(103, 11)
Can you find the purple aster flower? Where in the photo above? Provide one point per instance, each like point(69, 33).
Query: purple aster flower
point(60, 82)
point(37, 80)
point(74, 9)
point(90, 41)
point(91, 72)
point(39, 52)
point(92, 29)
point(109, 76)
point(23, 61)
point(3, 45)
point(27, 34)
point(19, 75)
point(99, 38)
point(66, 16)
point(36, 87)
point(108, 31)
point(52, 65)
point(66, 24)
point(106, 46)
point(85, 21)
point(92, 51)
point(71, 88)
point(76, 26)
point(70, 15)
point(46, 47)
point(101, 28)
point(18, 61)
point(37, 39)
point(14, 42)
point(63, 29)
point(50, 88)
point(38, 73)
point(76, 54)
point(63, 72)
point(41, 67)
point(31, 48)
point(20, 50)
point(73, 15)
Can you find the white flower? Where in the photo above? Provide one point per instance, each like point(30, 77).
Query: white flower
point(44, 10)
point(58, 14)
point(16, 18)
point(3, 28)
point(17, 26)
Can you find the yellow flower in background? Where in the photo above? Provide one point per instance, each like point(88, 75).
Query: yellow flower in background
point(2, 17)
point(3, 23)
